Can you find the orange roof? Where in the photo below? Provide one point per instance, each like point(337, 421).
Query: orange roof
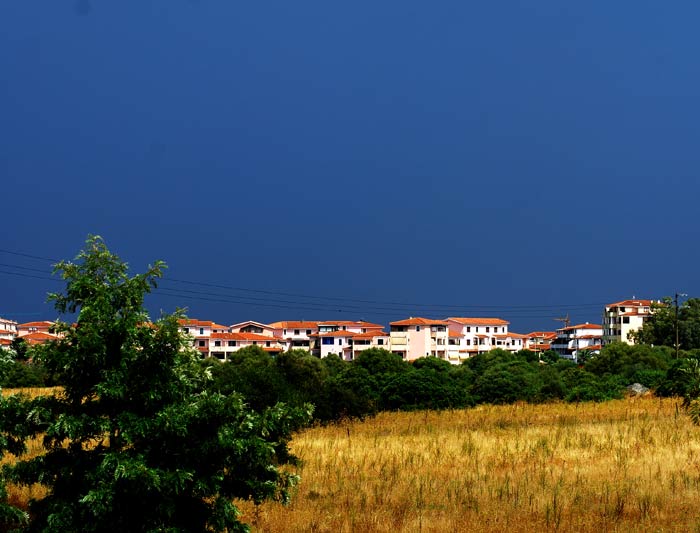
point(543, 334)
point(632, 303)
point(419, 322)
point(5, 342)
point(479, 321)
point(41, 324)
point(37, 337)
point(540, 346)
point(250, 323)
point(454, 334)
point(588, 336)
point(339, 333)
point(295, 324)
point(193, 322)
point(591, 347)
point(582, 326)
point(242, 337)
point(353, 323)
point(370, 335)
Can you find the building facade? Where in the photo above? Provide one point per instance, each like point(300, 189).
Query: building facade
point(621, 319)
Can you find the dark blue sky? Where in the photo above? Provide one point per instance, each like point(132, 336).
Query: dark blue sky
point(539, 157)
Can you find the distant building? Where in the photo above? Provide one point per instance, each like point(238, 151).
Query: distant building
point(347, 338)
point(201, 332)
point(480, 335)
point(572, 340)
point(622, 318)
point(540, 341)
point(8, 331)
point(414, 338)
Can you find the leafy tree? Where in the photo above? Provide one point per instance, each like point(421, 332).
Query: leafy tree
point(251, 372)
point(507, 382)
point(134, 443)
point(660, 328)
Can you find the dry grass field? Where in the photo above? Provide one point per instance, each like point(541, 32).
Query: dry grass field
point(628, 465)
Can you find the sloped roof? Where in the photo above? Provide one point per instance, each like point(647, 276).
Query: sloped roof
point(418, 321)
point(470, 321)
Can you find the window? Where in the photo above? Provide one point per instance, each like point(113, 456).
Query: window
point(487, 329)
point(187, 330)
point(255, 343)
point(417, 328)
point(284, 332)
point(469, 342)
point(231, 343)
point(625, 320)
point(296, 332)
point(340, 342)
point(217, 343)
point(201, 331)
point(380, 342)
point(327, 340)
point(308, 331)
point(202, 343)
point(267, 343)
point(476, 329)
point(469, 329)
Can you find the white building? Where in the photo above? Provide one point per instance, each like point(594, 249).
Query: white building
point(480, 335)
point(572, 340)
point(620, 319)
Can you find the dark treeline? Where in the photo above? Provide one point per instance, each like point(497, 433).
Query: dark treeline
point(378, 380)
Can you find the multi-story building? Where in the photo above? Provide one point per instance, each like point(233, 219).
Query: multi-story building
point(8, 331)
point(296, 333)
point(620, 319)
point(201, 332)
point(572, 340)
point(347, 339)
point(539, 341)
point(414, 338)
point(481, 335)
point(222, 345)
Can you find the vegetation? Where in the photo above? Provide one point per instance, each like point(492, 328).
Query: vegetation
point(133, 441)
point(622, 465)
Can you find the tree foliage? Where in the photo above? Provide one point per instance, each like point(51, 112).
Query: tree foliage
point(134, 442)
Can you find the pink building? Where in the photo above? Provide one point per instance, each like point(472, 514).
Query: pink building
point(414, 338)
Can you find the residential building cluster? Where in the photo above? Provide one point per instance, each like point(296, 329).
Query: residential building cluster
point(453, 339)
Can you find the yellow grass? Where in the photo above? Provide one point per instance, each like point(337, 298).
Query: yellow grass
point(628, 465)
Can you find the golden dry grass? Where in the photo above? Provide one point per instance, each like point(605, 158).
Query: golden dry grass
point(628, 465)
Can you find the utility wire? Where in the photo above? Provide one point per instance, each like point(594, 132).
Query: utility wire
point(345, 301)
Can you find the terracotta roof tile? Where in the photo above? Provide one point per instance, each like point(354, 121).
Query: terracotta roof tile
point(419, 322)
point(467, 321)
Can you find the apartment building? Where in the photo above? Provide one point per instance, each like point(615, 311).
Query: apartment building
point(620, 319)
point(349, 342)
point(201, 332)
point(8, 331)
point(224, 344)
point(539, 341)
point(296, 333)
point(480, 335)
point(414, 338)
point(572, 340)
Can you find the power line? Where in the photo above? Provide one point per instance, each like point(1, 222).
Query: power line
point(346, 302)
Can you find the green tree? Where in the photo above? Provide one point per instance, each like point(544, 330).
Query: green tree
point(660, 328)
point(134, 443)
